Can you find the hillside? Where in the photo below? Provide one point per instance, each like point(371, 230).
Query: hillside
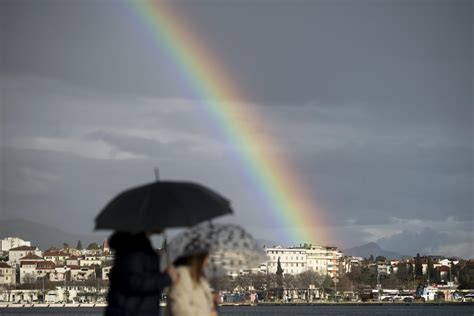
point(45, 236)
point(371, 249)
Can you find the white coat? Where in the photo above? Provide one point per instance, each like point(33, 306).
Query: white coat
point(186, 298)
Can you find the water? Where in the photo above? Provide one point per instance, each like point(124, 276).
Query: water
point(332, 310)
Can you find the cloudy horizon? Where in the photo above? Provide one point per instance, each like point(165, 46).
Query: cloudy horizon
point(372, 104)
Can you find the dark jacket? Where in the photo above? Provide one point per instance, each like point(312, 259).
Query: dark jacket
point(135, 280)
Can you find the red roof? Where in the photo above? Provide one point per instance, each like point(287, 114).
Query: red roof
point(23, 248)
point(45, 264)
point(55, 254)
point(30, 256)
point(28, 263)
point(73, 267)
point(443, 269)
point(4, 265)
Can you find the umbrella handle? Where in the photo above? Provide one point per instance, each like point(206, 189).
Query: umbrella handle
point(167, 254)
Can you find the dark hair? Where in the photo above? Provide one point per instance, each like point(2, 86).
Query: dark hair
point(195, 263)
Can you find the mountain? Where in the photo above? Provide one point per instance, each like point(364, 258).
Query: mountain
point(371, 249)
point(45, 236)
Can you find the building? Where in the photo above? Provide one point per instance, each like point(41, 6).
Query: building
point(348, 262)
point(324, 260)
point(82, 273)
point(91, 260)
point(31, 271)
point(30, 257)
point(106, 272)
point(292, 260)
point(12, 242)
point(7, 274)
point(73, 261)
point(15, 254)
point(58, 257)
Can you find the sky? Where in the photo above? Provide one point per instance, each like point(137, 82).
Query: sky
point(370, 101)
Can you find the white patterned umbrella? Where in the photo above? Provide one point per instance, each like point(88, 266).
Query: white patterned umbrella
point(230, 247)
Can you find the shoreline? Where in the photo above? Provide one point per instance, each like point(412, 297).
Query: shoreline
point(102, 305)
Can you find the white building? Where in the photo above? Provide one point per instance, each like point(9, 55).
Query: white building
point(349, 262)
point(19, 296)
point(82, 273)
point(292, 260)
point(106, 272)
point(31, 271)
point(14, 254)
point(58, 257)
point(324, 260)
point(90, 260)
point(295, 260)
point(12, 242)
point(7, 274)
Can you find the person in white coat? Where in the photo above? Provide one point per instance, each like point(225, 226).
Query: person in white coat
point(191, 294)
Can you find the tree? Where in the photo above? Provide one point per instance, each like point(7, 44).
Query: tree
point(466, 275)
point(258, 281)
point(371, 258)
point(418, 266)
point(402, 272)
point(279, 273)
point(355, 275)
point(279, 280)
point(344, 283)
point(244, 281)
point(79, 245)
point(430, 270)
point(368, 276)
point(410, 271)
point(380, 259)
point(328, 284)
point(391, 281)
point(224, 283)
point(93, 246)
point(436, 276)
point(307, 278)
point(289, 281)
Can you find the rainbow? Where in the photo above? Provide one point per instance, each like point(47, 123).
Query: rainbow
point(282, 193)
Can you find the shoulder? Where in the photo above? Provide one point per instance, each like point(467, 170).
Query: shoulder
point(184, 276)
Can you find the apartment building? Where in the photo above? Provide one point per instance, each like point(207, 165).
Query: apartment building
point(295, 260)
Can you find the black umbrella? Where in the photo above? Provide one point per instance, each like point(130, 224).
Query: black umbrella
point(160, 205)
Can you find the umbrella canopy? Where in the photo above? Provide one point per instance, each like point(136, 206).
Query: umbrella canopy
point(230, 247)
point(160, 205)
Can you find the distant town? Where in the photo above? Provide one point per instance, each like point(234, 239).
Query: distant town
point(79, 274)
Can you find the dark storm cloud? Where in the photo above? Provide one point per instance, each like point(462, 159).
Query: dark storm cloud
point(371, 101)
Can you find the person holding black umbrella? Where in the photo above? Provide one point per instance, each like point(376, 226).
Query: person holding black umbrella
point(136, 281)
